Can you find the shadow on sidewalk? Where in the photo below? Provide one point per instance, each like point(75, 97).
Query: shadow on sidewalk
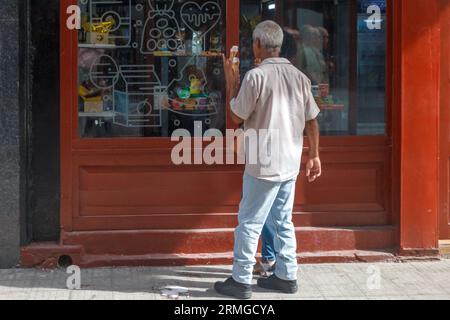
point(198, 280)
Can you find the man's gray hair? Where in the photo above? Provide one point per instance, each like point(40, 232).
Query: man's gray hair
point(270, 34)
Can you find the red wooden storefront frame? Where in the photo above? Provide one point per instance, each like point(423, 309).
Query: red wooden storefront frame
point(367, 199)
point(419, 40)
point(362, 161)
point(444, 147)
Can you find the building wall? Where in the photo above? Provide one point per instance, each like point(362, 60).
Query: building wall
point(43, 173)
point(10, 169)
point(29, 125)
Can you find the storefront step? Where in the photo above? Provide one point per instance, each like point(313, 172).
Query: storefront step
point(310, 239)
point(202, 246)
point(226, 258)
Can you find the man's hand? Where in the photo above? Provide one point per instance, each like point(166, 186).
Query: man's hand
point(313, 169)
point(313, 166)
point(232, 76)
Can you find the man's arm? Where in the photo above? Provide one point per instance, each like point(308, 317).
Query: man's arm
point(233, 91)
point(232, 80)
point(313, 166)
point(235, 118)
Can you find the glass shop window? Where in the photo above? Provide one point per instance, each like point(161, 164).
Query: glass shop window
point(149, 67)
point(341, 46)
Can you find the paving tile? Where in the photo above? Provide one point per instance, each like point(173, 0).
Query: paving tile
point(19, 295)
point(430, 297)
point(49, 295)
point(347, 298)
point(133, 296)
point(91, 295)
point(398, 281)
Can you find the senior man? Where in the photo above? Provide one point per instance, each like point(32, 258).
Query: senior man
point(276, 97)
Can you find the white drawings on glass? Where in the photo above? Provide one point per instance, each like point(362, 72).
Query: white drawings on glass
point(135, 94)
point(201, 18)
point(138, 95)
point(161, 30)
point(136, 91)
point(117, 10)
point(104, 72)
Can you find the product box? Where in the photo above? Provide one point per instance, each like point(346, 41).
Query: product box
point(93, 105)
point(97, 38)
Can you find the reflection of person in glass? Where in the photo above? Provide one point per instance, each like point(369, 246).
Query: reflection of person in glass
point(329, 61)
point(274, 97)
point(289, 49)
point(314, 64)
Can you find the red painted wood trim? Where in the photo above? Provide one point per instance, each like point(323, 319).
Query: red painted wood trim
point(233, 25)
point(394, 123)
point(165, 144)
point(352, 70)
point(228, 220)
point(419, 124)
point(68, 67)
point(390, 180)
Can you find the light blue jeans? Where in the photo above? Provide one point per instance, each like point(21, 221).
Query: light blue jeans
point(268, 253)
point(263, 201)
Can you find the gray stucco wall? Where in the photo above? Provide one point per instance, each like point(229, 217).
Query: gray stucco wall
point(9, 134)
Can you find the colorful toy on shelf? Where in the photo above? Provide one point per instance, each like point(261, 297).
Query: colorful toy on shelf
point(88, 90)
point(102, 27)
point(97, 38)
point(196, 86)
point(93, 105)
point(191, 105)
point(183, 93)
point(106, 23)
point(324, 90)
point(83, 91)
point(92, 99)
point(323, 97)
point(98, 33)
point(184, 104)
point(163, 53)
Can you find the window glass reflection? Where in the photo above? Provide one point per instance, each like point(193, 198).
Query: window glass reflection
point(341, 47)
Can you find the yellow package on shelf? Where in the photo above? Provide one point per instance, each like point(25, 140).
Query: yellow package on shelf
point(93, 105)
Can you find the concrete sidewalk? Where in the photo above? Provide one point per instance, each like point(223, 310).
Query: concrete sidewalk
point(413, 280)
